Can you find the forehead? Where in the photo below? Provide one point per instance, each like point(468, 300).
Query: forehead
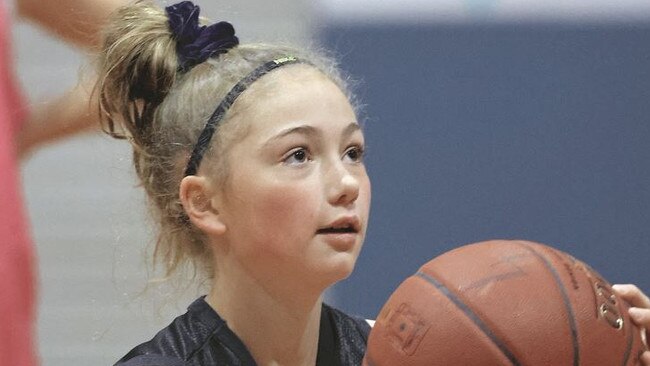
point(285, 80)
point(295, 94)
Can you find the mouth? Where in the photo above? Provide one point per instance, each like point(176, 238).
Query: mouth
point(349, 225)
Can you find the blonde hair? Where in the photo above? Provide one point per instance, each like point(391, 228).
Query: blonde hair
point(161, 111)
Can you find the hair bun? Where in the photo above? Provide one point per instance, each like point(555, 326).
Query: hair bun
point(138, 64)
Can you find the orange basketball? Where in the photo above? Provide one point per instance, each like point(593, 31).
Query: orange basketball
point(504, 303)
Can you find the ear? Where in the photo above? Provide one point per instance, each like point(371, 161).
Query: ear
point(196, 196)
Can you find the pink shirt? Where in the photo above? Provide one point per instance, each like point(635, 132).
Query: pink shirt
point(17, 285)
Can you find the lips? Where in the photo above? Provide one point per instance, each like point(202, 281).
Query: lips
point(345, 225)
point(332, 230)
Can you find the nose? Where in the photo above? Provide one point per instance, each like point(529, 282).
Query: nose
point(342, 184)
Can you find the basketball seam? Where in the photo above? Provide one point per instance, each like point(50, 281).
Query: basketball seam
point(471, 315)
point(565, 299)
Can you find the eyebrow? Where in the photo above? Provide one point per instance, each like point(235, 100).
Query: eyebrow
point(308, 130)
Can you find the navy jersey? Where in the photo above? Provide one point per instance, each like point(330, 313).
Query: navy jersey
point(201, 338)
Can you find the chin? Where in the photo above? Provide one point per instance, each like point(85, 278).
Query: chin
point(338, 268)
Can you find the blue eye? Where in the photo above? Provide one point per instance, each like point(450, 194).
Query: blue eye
point(298, 156)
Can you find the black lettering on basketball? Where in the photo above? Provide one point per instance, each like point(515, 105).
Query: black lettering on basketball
point(506, 268)
point(406, 328)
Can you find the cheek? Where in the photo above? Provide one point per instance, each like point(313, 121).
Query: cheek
point(282, 213)
point(288, 205)
point(368, 190)
point(365, 195)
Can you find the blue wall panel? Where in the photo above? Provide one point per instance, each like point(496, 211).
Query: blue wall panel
point(476, 132)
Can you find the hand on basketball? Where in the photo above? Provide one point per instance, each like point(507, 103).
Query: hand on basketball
point(639, 312)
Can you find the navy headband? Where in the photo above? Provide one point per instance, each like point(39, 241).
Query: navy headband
point(206, 135)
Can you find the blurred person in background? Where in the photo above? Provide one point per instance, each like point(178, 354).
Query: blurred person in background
point(22, 130)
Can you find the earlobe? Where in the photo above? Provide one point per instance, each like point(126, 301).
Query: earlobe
point(196, 194)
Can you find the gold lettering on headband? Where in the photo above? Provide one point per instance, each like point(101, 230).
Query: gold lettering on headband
point(284, 59)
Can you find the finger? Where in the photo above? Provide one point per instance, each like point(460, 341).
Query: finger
point(640, 316)
point(645, 358)
point(633, 295)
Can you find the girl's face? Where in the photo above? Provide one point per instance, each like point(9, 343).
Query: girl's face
point(297, 199)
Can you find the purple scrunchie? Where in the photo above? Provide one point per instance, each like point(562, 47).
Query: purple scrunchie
point(196, 43)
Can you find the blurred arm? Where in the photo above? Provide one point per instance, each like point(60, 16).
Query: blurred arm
point(79, 22)
point(76, 21)
point(72, 112)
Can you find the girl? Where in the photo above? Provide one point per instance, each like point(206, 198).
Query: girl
point(252, 157)
point(269, 198)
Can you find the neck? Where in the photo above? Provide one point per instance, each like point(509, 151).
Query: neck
point(278, 324)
